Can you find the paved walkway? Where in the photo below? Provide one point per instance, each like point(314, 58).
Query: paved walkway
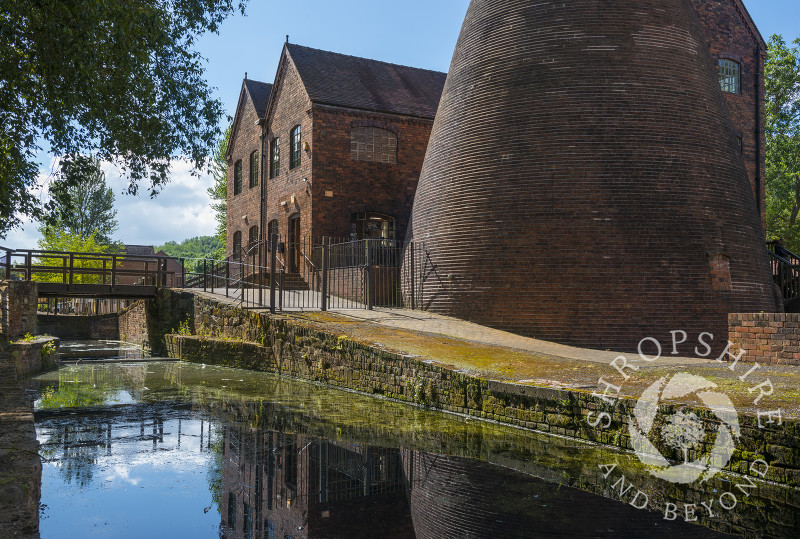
point(498, 355)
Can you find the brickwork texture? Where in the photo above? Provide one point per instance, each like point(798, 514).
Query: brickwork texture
point(588, 187)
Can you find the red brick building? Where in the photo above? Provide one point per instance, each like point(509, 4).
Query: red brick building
point(336, 148)
point(739, 51)
point(605, 184)
point(245, 170)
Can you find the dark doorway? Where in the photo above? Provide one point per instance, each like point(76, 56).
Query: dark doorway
point(293, 247)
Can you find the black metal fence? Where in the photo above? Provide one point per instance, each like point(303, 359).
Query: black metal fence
point(317, 274)
point(785, 266)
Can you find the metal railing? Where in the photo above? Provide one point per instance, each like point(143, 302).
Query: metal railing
point(316, 274)
point(88, 268)
point(785, 268)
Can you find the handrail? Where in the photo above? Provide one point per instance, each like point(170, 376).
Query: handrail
point(313, 266)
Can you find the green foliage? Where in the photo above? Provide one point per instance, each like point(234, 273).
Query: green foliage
point(194, 248)
point(60, 239)
point(783, 141)
point(118, 79)
point(184, 328)
point(48, 349)
point(82, 204)
point(219, 193)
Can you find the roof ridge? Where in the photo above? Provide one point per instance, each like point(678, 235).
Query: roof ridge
point(294, 45)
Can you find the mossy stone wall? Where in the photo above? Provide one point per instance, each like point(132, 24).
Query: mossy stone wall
point(229, 336)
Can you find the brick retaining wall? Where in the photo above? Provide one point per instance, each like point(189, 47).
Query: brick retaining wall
point(766, 338)
point(104, 327)
point(233, 337)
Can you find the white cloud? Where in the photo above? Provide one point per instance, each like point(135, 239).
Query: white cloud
point(182, 210)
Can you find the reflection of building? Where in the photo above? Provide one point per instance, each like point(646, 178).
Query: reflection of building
point(335, 146)
point(277, 485)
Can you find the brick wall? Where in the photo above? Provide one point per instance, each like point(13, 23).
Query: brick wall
point(18, 303)
point(766, 338)
point(133, 325)
point(731, 37)
point(245, 140)
point(595, 205)
point(343, 186)
point(104, 327)
point(291, 108)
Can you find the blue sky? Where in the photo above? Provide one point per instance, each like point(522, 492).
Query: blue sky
point(414, 32)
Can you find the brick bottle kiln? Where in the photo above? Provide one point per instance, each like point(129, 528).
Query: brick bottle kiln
point(583, 181)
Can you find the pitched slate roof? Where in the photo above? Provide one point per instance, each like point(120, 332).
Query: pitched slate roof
point(348, 81)
point(139, 250)
point(259, 94)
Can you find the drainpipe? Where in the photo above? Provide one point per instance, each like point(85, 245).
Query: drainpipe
point(759, 130)
point(262, 213)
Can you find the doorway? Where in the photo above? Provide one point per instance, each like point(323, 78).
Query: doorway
point(293, 244)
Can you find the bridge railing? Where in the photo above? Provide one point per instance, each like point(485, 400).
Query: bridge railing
point(89, 268)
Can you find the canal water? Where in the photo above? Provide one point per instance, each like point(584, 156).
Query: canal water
point(133, 447)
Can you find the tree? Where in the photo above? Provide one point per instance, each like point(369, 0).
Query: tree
point(783, 141)
point(118, 79)
point(82, 204)
point(219, 192)
point(60, 239)
point(194, 250)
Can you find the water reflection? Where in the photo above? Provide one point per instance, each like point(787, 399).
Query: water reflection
point(209, 452)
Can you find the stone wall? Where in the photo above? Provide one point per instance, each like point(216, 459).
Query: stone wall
point(133, 324)
point(104, 327)
point(146, 322)
point(233, 337)
point(18, 300)
point(35, 355)
point(766, 338)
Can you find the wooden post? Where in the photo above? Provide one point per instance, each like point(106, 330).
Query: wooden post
point(8, 265)
point(205, 274)
point(183, 273)
point(113, 270)
point(326, 246)
point(104, 270)
point(71, 268)
point(213, 276)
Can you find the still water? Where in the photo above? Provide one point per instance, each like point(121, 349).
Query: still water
point(165, 449)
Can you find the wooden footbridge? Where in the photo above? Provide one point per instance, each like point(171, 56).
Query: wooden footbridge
point(91, 275)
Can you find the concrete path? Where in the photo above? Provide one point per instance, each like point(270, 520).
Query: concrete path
point(497, 355)
point(452, 327)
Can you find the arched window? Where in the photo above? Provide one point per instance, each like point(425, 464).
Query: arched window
point(275, 157)
point(237, 178)
point(237, 245)
point(252, 238)
point(373, 144)
point(254, 169)
point(296, 150)
point(730, 76)
point(272, 229)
